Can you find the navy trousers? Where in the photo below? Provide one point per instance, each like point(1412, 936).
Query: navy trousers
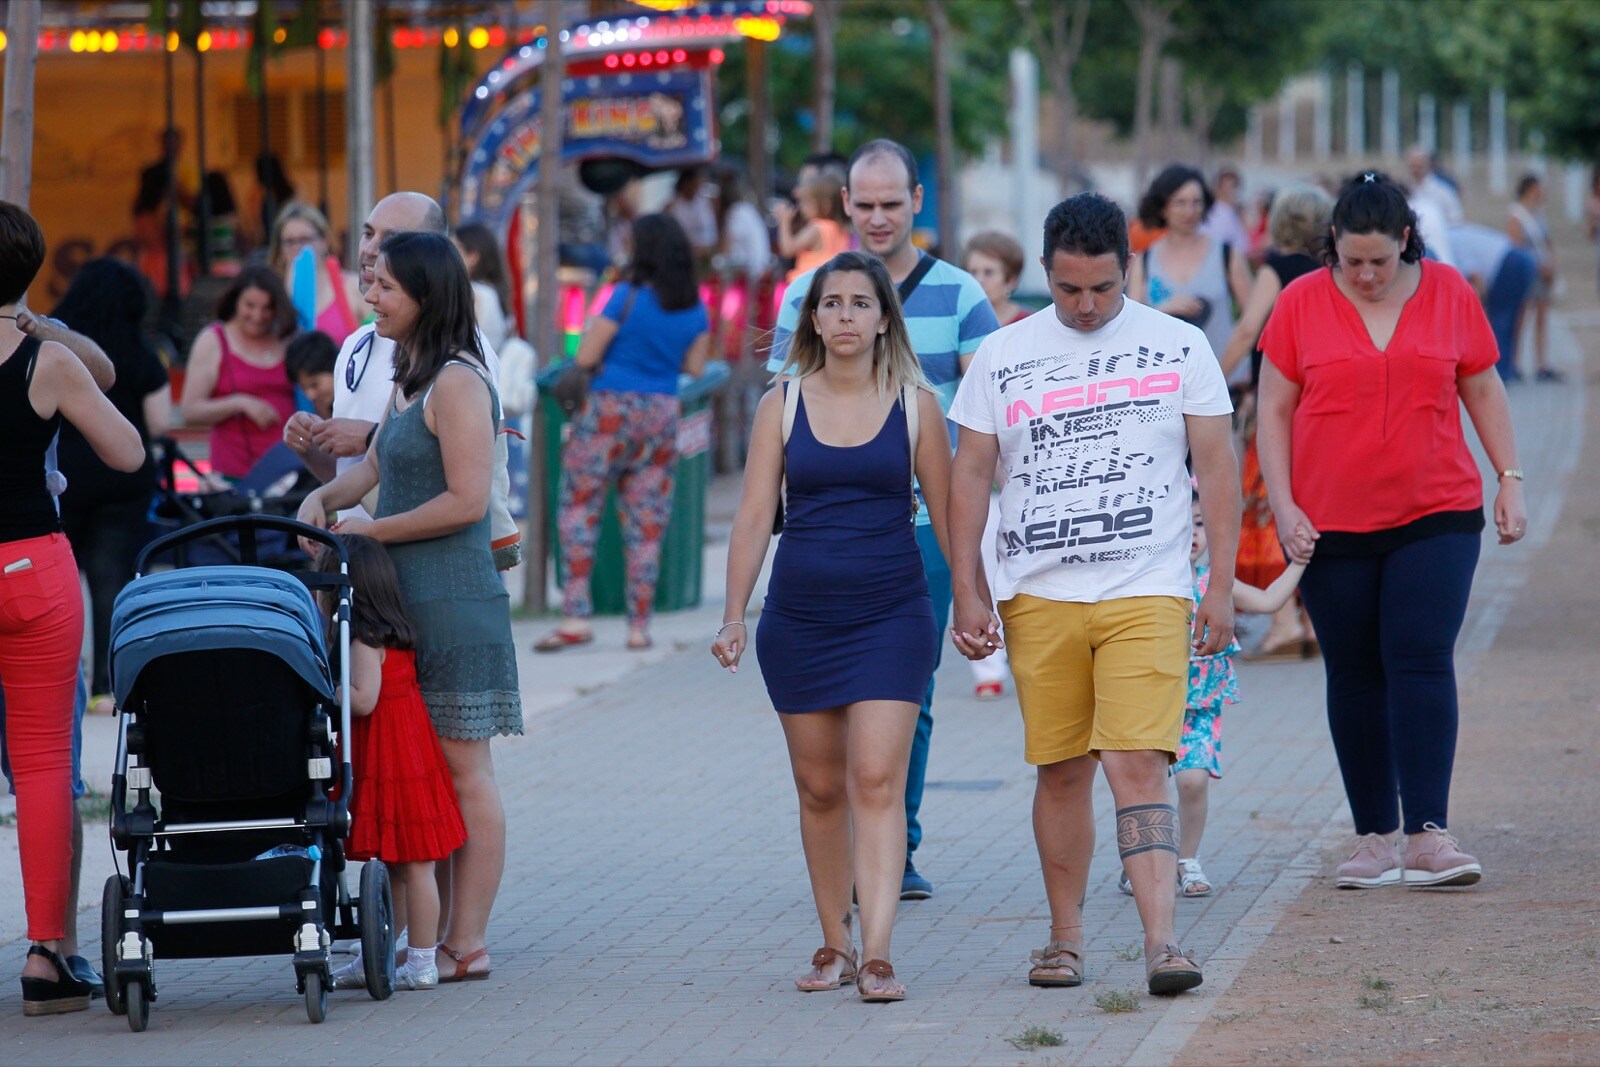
point(1388, 627)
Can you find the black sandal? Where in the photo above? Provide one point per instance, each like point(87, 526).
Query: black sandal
point(41, 996)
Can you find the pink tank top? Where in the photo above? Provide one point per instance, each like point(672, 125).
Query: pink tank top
point(336, 320)
point(237, 442)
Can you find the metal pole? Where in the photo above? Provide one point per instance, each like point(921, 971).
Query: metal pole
point(203, 208)
point(1390, 130)
point(359, 158)
point(169, 147)
point(1025, 152)
point(1355, 111)
point(547, 326)
point(1286, 122)
point(16, 137)
point(1499, 180)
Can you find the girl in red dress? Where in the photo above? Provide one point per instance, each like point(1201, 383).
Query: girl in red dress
point(403, 807)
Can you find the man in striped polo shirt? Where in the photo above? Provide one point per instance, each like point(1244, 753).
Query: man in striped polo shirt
point(947, 315)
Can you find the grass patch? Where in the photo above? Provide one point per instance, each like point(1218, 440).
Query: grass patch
point(1129, 953)
point(1376, 984)
point(1375, 1001)
point(1117, 1002)
point(1234, 1016)
point(1036, 1037)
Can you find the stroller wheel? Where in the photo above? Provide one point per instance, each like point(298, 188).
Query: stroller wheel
point(376, 909)
point(316, 998)
point(137, 1005)
point(111, 899)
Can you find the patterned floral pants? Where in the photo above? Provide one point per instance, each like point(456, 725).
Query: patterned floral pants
point(629, 440)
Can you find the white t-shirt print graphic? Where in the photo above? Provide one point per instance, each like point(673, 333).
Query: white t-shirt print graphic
point(1092, 437)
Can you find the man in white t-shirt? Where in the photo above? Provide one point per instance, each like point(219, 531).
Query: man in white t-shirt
point(363, 375)
point(1090, 406)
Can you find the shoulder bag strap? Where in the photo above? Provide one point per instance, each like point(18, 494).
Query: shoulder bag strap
point(791, 404)
point(914, 279)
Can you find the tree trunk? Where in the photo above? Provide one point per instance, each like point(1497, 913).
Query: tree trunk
point(1169, 109)
point(759, 94)
point(547, 324)
point(944, 125)
point(824, 21)
point(1155, 27)
point(16, 139)
point(1204, 104)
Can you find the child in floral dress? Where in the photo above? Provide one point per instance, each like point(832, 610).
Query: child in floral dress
point(1212, 685)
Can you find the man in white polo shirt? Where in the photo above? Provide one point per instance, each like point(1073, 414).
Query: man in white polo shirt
point(363, 376)
point(1090, 406)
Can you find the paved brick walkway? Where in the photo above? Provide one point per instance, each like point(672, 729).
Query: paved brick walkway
point(655, 907)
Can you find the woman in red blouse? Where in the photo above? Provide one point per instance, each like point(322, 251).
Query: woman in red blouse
point(1361, 445)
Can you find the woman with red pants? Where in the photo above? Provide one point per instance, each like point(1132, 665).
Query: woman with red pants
point(41, 606)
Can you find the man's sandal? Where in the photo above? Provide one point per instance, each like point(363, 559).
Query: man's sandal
point(881, 994)
point(1060, 963)
point(824, 956)
point(1172, 970)
point(462, 971)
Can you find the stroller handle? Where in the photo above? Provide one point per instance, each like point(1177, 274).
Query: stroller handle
point(246, 526)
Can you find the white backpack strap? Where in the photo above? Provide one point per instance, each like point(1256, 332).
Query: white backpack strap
point(791, 404)
point(912, 402)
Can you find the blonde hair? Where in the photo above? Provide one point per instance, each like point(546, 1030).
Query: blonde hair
point(1300, 218)
point(295, 209)
point(827, 192)
point(893, 358)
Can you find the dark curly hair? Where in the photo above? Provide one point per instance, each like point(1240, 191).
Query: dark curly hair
point(1153, 205)
point(1372, 202)
point(1087, 225)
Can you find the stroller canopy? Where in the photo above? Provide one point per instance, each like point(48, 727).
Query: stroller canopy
point(200, 609)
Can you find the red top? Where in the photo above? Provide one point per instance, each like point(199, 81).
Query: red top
point(1376, 437)
point(237, 442)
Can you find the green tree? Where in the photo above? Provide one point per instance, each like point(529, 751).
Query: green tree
point(884, 86)
point(1565, 52)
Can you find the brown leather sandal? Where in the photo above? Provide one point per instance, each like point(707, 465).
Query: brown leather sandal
point(1050, 962)
point(461, 972)
point(880, 970)
point(1172, 970)
point(824, 956)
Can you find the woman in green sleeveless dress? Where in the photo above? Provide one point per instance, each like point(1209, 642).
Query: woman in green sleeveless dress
point(436, 445)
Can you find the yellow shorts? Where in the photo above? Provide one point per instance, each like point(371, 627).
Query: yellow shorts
point(1090, 677)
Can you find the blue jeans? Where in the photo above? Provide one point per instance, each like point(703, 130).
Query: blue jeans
point(80, 703)
point(939, 591)
point(1503, 304)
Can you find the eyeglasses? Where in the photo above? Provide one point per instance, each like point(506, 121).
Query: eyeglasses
point(352, 378)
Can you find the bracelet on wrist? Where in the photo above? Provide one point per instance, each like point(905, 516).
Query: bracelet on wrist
point(732, 622)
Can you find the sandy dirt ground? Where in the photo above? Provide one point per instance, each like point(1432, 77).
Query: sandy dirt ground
point(1507, 971)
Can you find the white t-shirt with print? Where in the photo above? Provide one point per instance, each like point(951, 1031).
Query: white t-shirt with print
point(1096, 504)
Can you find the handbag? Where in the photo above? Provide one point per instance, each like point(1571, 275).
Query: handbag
point(571, 390)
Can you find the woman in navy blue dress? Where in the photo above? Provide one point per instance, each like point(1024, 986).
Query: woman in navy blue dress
point(846, 638)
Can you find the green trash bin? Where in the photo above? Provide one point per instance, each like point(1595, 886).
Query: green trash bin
point(683, 544)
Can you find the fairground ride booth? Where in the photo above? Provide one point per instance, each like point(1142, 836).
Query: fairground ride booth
point(639, 96)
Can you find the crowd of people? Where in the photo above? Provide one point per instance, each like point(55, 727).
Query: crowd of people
point(1058, 493)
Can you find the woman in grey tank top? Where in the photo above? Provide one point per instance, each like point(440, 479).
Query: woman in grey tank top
point(1187, 274)
point(435, 448)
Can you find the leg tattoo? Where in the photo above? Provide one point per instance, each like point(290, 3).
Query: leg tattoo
point(1147, 828)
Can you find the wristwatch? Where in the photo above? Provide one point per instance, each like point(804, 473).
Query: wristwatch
point(1513, 472)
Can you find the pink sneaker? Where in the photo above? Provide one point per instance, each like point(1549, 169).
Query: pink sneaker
point(1434, 858)
point(1375, 862)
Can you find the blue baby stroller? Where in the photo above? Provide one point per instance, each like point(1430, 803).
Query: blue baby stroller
point(224, 691)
